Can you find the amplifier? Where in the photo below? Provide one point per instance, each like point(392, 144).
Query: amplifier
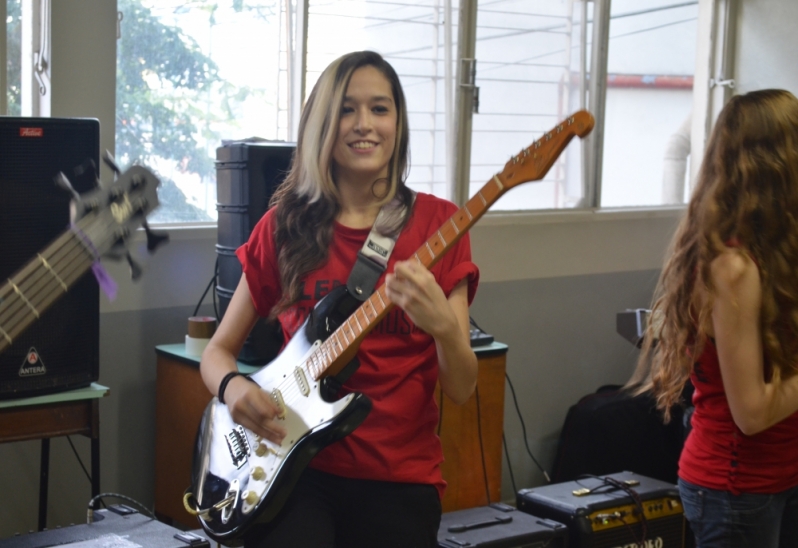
point(119, 526)
point(623, 510)
point(499, 526)
point(60, 350)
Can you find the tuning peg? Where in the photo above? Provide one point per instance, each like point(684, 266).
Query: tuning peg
point(90, 167)
point(63, 183)
point(108, 158)
point(135, 269)
point(154, 239)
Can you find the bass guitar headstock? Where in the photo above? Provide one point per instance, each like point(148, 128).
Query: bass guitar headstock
point(106, 217)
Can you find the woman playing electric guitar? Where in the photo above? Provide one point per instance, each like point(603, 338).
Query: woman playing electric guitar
point(381, 485)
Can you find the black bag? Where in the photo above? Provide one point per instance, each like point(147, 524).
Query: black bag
point(611, 430)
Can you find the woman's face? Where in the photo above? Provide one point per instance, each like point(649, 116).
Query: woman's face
point(367, 129)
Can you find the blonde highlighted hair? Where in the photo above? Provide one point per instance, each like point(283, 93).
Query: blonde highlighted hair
point(308, 200)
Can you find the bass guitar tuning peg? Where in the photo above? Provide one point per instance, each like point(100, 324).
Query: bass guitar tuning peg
point(64, 184)
point(135, 269)
point(108, 158)
point(88, 167)
point(154, 239)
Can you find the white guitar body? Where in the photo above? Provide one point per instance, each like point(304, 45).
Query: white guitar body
point(231, 461)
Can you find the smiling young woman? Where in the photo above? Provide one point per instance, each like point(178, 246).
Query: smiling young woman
point(381, 484)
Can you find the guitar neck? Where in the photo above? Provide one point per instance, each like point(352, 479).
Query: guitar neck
point(341, 346)
point(33, 289)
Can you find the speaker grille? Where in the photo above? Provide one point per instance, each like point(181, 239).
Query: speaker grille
point(33, 211)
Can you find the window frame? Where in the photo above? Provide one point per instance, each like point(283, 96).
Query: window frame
point(715, 45)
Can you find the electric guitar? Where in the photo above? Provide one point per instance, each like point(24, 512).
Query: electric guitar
point(102, 221)
point(238, 478)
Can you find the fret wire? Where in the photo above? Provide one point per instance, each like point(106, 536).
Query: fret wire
point(498, 182)
point(454, 225)
point(360, 327)
point(429, 248)
point(468, 212)
point(384, 306)
point(53, 272)
point(443, 240)
point(481, 197)
point(6, 336)
point(27, 302)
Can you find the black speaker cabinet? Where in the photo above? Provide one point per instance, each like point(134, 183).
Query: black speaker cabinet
point(599, 514)
point(247, 175)
point(60, 350)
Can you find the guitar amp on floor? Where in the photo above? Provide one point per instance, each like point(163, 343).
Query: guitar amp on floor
point(614, 511)
point(499, 526)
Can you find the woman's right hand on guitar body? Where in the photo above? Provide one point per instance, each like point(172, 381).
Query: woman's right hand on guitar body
point(254, 409)
point(249, 405)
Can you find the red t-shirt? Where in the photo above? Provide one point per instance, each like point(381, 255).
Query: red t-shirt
point(719, 456)
point(398, 361)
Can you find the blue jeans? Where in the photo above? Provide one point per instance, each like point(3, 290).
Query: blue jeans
point(720, 519)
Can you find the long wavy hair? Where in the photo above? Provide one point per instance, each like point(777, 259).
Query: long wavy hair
point(747, 193)
point(307, 201)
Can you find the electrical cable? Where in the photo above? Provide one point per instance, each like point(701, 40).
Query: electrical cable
point(509, 464)
point(210, 283)
point(481, 447)
point(80, 462)
point(90, 510)
point(523, 429)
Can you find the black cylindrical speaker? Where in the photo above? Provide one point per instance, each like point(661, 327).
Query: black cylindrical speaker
point(247, 174)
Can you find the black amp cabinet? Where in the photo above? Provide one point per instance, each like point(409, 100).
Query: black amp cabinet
point(599, 514)
point(60, 350)
point(247, 174)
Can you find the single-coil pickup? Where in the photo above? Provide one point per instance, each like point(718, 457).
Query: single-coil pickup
point(301, 381)
point(238, 445)
point(277, 396)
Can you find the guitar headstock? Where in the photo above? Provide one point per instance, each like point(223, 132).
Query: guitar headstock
point(533, 162)
point(108, 215)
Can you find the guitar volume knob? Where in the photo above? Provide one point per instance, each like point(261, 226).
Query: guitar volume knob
point(258, 473)
point(250, 497)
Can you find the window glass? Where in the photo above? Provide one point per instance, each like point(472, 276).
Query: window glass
point(410, 35)
point(191, 74)
point(649, 98)
point(13, 56)
point(530, 55)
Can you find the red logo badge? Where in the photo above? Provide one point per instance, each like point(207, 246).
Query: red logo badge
point(31, 132)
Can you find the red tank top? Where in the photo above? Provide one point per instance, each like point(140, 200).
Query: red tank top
point(717, 455)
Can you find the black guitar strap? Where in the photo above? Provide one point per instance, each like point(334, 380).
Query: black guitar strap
point(372, 259)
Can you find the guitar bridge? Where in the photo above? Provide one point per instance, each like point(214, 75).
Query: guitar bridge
point(238, 445)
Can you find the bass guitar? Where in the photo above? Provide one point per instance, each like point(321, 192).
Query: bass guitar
point(238, 478)
point(102, 221)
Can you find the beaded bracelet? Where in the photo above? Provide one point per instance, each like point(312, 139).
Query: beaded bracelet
point(226, 379)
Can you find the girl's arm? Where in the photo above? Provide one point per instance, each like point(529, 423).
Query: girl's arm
point(755, 405)
point(413, 288)
point(250, 406)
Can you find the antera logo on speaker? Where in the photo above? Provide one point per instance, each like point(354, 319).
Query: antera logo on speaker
point(651, 543)
point(32, 365)
point(31, 132)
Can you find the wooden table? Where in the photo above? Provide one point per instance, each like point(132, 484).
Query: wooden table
point(53, 415)
point(181, 398)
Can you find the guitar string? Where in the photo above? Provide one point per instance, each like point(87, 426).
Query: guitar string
point(40, 298)
point(27, 280)
point(62, 260)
